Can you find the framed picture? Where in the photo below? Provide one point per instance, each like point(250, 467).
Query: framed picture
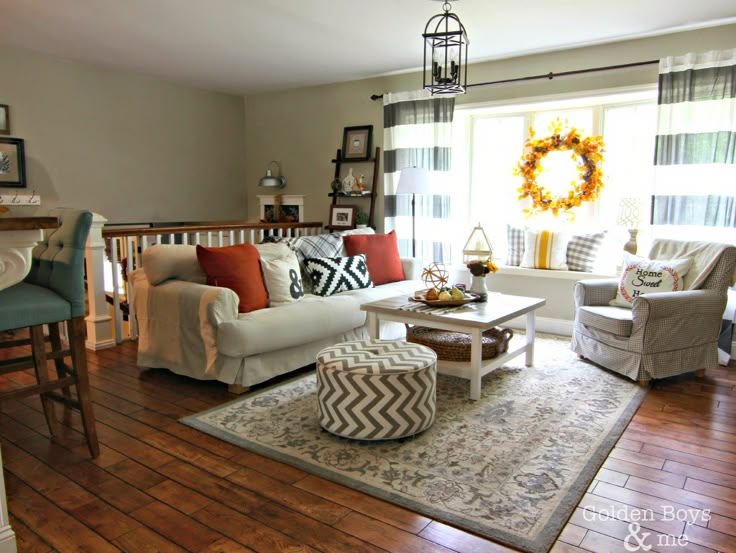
point(356, 142)
point(342, 216)
point(12, 163)
point(4, 119)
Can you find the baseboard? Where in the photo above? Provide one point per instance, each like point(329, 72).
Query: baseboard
point(7, 540)
point(561, 327)
point(94, 346)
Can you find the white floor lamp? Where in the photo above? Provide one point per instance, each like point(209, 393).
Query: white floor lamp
point(414, 180)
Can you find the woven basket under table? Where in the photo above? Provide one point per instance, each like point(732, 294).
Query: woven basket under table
point(455, 346)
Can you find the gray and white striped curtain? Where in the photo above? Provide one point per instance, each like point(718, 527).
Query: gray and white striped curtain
point(417, 132)
point(695, 156)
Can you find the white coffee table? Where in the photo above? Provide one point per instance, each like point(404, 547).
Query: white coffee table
point(472, 319)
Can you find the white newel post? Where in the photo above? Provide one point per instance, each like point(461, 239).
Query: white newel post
point(99, 321)
point(7, 536)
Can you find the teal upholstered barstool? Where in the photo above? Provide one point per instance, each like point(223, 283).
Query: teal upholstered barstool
point(53, 292)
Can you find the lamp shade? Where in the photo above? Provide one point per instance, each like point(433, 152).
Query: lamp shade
point(415, 180)
point(629, 212)
point(271, 181)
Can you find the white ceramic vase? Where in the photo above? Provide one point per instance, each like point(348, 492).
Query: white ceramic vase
point(348, 182)
point(478, 286)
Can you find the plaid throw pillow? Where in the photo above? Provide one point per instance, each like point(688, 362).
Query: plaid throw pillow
point(515, 245)
point(330, 275)
point(321, 245)
point(582, 251)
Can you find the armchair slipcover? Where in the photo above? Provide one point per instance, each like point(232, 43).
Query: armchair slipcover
point(666, 333)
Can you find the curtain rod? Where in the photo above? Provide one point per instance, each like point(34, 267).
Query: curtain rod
point(551, 75)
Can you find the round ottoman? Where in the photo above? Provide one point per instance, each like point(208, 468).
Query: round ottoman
point(375, 389)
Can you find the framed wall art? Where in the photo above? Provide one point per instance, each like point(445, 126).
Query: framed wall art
point(12, 163)
point(342, 216)
point(356, 142)
point(4, 119)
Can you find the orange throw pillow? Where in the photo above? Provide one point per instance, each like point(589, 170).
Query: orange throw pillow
point(238, 268)
point(381, 255)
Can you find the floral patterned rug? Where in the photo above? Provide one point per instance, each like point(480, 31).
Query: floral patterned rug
point(510, 467)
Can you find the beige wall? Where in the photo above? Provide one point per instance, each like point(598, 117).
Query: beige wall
point(303, 128)
point(136, 148)
point(130, 147)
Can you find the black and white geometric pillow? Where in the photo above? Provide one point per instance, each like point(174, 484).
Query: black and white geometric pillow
point(582, 251)
point(330, 275)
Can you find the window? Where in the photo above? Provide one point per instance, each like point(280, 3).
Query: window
point(489, 141)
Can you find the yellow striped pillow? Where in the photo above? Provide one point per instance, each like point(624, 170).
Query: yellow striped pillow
point(545, 249)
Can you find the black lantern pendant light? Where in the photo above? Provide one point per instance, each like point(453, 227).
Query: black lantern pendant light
point(445, 53)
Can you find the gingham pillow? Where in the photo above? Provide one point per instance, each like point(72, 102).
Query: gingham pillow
point(330, 275)
point(582, 251)
point(515, 245)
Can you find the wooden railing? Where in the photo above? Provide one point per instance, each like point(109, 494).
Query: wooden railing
point(114, 252)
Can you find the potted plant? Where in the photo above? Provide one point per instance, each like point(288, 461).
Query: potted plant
point(361, 219)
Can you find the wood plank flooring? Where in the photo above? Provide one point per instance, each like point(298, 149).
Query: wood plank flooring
point(160, 486)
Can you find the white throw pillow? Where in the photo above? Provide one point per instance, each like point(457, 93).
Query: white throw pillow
point(643, 276)
point(545, 249)
point(283, 279)
point(273, 250)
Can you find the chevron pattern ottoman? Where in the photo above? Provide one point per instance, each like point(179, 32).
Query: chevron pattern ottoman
point(376, 389)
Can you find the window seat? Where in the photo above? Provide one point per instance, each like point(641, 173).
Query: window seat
point(547, 273)
point(557, 287)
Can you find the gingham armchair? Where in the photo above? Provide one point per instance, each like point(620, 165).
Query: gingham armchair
point(664, 334)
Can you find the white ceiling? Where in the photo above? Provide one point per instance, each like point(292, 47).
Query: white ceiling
point(251, 47)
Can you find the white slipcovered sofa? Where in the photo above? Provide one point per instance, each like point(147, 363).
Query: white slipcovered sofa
point(194, 329)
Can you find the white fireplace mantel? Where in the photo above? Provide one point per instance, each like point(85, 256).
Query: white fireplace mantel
point(296, 200)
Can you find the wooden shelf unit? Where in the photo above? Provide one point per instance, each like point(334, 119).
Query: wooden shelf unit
point(337, 196)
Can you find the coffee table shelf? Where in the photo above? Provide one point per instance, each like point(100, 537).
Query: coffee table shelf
point(471, 319)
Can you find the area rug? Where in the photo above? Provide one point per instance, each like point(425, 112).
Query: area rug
point(511, 466)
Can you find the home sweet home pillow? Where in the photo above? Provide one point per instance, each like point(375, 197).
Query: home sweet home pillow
point(643, 276)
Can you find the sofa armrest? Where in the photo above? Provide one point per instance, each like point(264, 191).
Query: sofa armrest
point(412, 268)
point(595, 291)
point(183, 303)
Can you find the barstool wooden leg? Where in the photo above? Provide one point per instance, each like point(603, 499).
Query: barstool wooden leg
point(38, 347)
point(76, 329)
point(61, 368)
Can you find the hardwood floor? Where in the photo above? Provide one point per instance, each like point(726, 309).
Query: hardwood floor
point(161, 486)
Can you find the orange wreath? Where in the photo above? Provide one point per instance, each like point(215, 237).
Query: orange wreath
point(587, 153)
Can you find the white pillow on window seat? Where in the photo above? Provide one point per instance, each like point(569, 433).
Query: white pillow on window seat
point(545, 249)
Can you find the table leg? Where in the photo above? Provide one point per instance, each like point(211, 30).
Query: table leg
point(531, 322)
point(476, 337)
point(373, 326)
